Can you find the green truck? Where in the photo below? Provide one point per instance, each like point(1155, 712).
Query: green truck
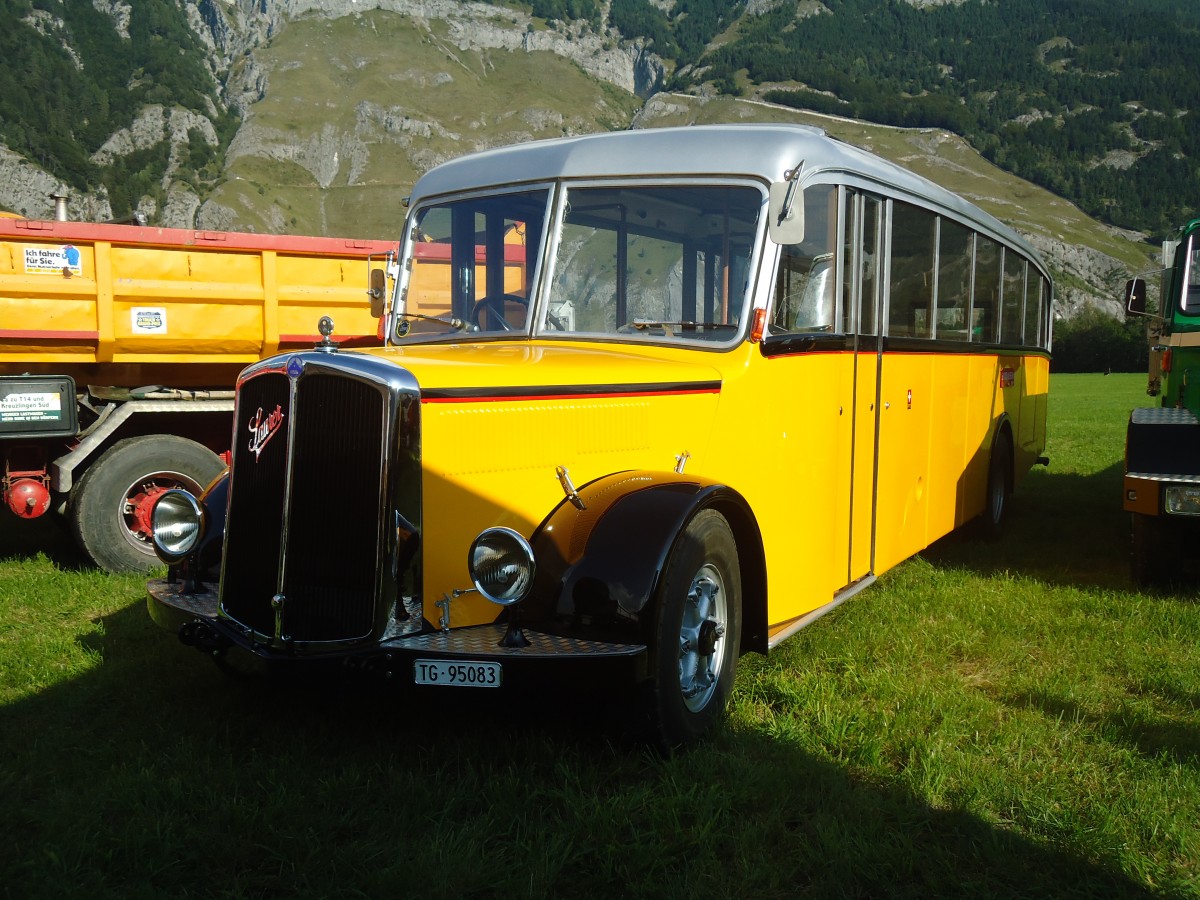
point(1162, 443)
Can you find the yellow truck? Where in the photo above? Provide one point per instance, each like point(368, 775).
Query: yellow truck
point(119, 349)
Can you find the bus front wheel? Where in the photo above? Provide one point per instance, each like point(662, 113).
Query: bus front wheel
point(697, 633)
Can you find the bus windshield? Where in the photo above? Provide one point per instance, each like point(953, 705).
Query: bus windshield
point(631, 263)
point(470, 263)
point(1190, 305)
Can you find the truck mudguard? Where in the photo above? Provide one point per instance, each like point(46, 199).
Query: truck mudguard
point(1162, 441)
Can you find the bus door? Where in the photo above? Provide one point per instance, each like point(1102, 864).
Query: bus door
point(862, 294)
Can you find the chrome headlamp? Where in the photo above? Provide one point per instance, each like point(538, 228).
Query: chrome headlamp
point(1182, 501)
point(177, 521)
point(501, 565)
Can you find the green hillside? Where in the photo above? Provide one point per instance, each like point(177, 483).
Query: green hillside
point(391, 97)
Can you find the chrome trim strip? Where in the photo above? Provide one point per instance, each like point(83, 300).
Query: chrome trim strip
point(1163, 415)
point(838, 599)
point(1167, 478)
point(483, 641)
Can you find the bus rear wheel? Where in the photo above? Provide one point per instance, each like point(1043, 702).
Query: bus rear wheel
point(999, 488)
point(697, 633)
point(110, 506)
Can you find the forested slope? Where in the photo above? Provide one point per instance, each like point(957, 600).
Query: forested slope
point(75, 75)
point(1097, 101)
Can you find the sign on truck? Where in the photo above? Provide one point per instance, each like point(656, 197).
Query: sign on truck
point(119, 349)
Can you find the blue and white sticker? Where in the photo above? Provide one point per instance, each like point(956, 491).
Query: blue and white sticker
point(148, 320)
point(61, 260)
point(295, 366)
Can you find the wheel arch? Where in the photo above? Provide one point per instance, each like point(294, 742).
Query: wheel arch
point(1003, 431)
point(605, 563)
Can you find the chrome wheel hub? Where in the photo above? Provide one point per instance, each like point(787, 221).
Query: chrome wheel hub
point(700, 634)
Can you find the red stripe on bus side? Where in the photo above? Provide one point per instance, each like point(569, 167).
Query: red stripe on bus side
point(570, 395)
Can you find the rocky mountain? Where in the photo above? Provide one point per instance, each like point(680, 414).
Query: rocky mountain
point(316, 116)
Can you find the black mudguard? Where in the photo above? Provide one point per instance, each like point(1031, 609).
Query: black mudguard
point(1162, 441)
point(599, 568)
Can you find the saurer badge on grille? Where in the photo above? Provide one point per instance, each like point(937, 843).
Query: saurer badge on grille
point(262, 429)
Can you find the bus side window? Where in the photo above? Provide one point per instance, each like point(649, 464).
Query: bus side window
point(954, 281)
point(803, 292)
point(1012, 298)
point(862, 252)
point(910, 300)
point(1034, 291)
point(804, 283)
point(984, 320)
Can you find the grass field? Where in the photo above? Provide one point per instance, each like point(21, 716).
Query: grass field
point(1005, 720)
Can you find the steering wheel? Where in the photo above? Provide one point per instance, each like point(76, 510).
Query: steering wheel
point(494, 304)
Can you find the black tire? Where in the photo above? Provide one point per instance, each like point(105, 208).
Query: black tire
point(697, 633)
point(110, 503)
point(999, 488)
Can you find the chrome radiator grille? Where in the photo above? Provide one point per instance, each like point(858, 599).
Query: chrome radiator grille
point(303, 540)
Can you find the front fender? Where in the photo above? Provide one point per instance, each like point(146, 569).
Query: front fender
point(204, 563)
point(599, 568)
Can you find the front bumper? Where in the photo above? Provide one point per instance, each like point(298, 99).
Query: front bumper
point(1145, 491)
point(194, 617)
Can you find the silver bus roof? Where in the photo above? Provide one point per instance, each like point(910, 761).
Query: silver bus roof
point(761, 151)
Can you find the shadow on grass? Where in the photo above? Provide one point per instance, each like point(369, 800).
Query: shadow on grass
point(154, 774)
point(1064, 529)
point(24, 539)
point(1151, 736)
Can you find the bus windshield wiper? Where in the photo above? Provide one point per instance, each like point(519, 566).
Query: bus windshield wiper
point(452, 322)
point(643, 324)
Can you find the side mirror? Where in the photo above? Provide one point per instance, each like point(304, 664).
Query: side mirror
point(1135, 296)
point(377, 292)
point(785, 212)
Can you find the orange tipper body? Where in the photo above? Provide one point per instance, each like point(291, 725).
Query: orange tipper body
point(120, 345)
point(649, 400)
point(100, 299)
point(119, 349)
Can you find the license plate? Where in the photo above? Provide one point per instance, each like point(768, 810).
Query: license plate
point(457, 673)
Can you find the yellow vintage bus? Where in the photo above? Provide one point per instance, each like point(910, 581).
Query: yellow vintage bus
point(649, 400)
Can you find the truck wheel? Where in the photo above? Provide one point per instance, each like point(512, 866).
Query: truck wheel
point(999, 487)
point(110, 506)
point(697, 633)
